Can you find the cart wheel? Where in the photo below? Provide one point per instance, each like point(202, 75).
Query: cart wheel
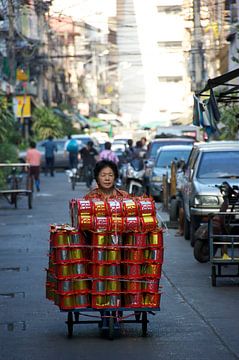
point(77, 316)
point(15, 200)
point(30, 200)
point(111, 328)
point(73, 183)
point(213, 276)
point(137, 315)
point(144, 323)
point(70, 324)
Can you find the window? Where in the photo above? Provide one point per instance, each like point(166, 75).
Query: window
point(220, 164)
point(170, 44)
point(169, 9)
point(170, 78)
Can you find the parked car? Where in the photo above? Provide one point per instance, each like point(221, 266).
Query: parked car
point(162, 164)
point(152, 152)
point(209, 164)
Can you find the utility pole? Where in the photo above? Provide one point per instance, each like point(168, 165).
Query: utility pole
point(198, 48)
point(11, 42)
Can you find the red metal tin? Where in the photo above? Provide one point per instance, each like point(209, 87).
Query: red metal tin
point(115, 208)
point(151, 270)
point(117, 224)
point(146, 207)
point(134, 255)
point(155, 238)
point(131, 270)
point(100, 239)
point(101, 224)
point(99, 208)
point(132, 286)
point(132, 224)
point(153, 255)
point(66, 302)
point(133, 300)
point(150, 285)
point(84, 207)
point(86, 222)
point(136, 239)
point(130, 207)
point(151, 300)
point(81, 301)
point(148, 223)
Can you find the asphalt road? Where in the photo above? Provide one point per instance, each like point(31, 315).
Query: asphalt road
point(196, 321)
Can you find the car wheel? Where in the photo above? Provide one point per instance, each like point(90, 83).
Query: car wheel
point(186, 228)
point(194, 224)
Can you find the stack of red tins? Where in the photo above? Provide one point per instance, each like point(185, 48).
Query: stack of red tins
point(68, 283)
point(118, 266)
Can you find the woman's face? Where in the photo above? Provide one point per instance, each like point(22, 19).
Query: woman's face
point(106, 178)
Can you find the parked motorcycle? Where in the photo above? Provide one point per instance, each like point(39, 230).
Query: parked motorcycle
point(135, 177)
point(221, 224)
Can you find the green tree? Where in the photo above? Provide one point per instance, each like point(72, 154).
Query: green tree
point(46, 123)
point(230, 122)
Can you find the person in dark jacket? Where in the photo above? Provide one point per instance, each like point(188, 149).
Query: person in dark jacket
point(50, 149)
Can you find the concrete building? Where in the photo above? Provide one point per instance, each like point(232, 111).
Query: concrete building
point(155, 87)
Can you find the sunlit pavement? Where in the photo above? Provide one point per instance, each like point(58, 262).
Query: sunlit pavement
point(196, 321)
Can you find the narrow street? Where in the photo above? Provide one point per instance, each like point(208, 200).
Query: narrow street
point(196, 321)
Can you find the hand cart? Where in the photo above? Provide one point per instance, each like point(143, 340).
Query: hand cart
point(109, 320)
point(14, 183)
point(224, 248)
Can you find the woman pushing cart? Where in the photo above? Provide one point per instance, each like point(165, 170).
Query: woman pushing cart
point(110, 260)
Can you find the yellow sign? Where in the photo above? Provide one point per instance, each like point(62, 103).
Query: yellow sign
point(21, 75)
point(23, 106)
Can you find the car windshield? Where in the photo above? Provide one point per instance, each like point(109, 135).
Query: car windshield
point(157, 144)
point(220, 164)
point(166, 157)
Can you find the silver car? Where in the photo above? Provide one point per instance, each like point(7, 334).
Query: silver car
point(162, 165)
point(209, 164)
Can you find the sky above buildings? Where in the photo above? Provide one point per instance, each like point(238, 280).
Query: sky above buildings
point(91, 11)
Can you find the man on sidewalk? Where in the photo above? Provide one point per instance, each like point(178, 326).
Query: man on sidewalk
point(50, 149)
point(33, 157)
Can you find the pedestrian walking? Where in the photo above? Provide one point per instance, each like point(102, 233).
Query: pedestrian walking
point(108, 154)
point(72, 147)
point(33, 157)
point(89, 156)
point(50, 149)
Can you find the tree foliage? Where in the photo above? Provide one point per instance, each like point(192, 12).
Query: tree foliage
point(46, 123)
point(230, 122)
point(7, 121)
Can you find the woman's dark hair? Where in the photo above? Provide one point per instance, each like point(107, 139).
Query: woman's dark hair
point(32, 144)
point(103, 164)
point(107, 145)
